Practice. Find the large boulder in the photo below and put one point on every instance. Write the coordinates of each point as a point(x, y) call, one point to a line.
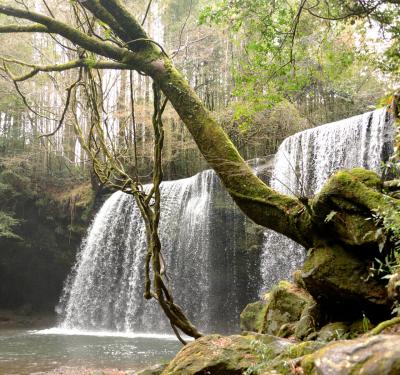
point(285, 308)
point(252, 317)
point(340, 279)
point(368, 356)
point(224, 355)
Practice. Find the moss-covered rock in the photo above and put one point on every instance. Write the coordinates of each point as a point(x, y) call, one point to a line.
point(289, 359)
point(345, 202)
point(309, 321)
point(368, 356)
point(298, 279)
point(255, 353)
point(225, 355)
point(252, 317)
point(334, 331)
point(286, 305)
point(339, 279)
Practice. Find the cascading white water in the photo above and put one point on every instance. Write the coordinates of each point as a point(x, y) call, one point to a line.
point(304, 162)
point(210, 248)
point(210, 276)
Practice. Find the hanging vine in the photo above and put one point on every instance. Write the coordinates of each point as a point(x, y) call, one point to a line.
point(110, 162)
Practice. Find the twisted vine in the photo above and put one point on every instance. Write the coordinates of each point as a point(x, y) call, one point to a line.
point(109, 166)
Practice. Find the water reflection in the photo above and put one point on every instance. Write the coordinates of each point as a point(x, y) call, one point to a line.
point(25, 352)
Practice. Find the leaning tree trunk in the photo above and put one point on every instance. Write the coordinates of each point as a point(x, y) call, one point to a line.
point(303, 221)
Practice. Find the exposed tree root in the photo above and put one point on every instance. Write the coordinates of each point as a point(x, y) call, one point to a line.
point(383, 325)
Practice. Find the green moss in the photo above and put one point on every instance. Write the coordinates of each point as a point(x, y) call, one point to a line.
point(334, 331)
point(286, 305)
point(7, 225)
point(354, 196)
point(283, 363)
point(367, 177)
point(252, 317)
point(340, 278)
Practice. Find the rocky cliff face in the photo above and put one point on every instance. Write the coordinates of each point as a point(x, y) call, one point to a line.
point(49, 225)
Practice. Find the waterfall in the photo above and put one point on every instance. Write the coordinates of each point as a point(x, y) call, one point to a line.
point(205, 241)
point(211, 250)
point(304, 162)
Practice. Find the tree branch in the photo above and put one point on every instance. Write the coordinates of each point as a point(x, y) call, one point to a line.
point(24, 29)
point(89, 43)
point(265, 206)
point(85, 62)
point(66, 106)
point(147, 12)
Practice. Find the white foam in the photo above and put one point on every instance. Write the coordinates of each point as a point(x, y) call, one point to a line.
point(78, 332)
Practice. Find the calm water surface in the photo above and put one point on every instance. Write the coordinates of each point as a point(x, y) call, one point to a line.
point(25, 352)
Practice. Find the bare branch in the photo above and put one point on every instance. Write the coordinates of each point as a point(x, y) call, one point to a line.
point(86, 62)
point(24, 29)
point(77, 37)
point(183, 28)
point(24, 99)
point(66, 107)
point(147, 12)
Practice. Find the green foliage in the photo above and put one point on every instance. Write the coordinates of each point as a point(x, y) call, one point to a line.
point(284, 54)
point(388, 222)
point(366, 324)
point(15, 180)
point(258, 130)
point(264, 353)
point(41, 225)
point(7, 225)
point(330, 216)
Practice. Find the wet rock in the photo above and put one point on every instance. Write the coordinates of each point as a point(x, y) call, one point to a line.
point(225, 355)
point(333, 331)
point(286, 305)
point(339, 279)
point(252, 317)
point(368, 356)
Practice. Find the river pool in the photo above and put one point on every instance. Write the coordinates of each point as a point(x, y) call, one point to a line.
point(28, 351)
